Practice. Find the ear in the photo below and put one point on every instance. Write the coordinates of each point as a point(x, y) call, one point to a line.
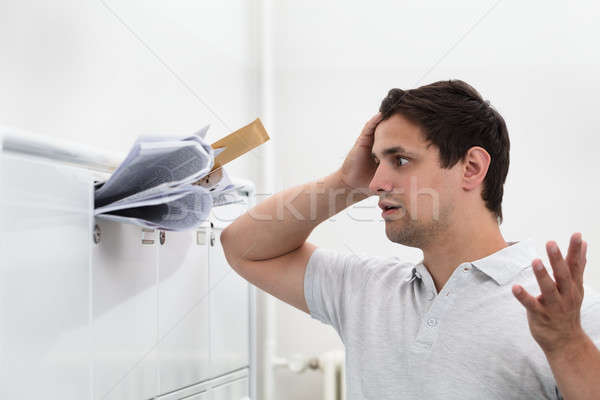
point(475, 166)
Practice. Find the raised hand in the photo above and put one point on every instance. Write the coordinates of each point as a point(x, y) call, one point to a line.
point(554, 315)
point(358, 168)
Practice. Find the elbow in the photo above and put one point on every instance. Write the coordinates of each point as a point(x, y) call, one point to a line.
point(224, 235)
point(225, 240)
point(227, 246)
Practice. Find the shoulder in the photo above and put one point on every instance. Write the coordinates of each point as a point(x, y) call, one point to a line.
point(354, 264)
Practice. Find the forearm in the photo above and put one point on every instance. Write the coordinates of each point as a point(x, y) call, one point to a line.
point(576, 369)
point(283, 222)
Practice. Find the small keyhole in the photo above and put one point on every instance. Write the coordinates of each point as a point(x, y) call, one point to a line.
point(97, 234)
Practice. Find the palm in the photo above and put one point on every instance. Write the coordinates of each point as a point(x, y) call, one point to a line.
point(554, 315)
point(358, 168)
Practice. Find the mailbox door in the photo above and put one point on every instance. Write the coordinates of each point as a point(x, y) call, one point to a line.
point(183, 315)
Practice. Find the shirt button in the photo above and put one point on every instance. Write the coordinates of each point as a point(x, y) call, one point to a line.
point(432, 322)
point(466, 269)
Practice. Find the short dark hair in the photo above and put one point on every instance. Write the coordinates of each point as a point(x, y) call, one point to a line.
point(454, 117)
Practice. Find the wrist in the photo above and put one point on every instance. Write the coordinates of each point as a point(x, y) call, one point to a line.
point(335, 194)
point(353, 195)
point(339, 184)
point(571, 349)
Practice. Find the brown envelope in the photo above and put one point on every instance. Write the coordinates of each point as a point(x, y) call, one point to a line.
point(240, 142)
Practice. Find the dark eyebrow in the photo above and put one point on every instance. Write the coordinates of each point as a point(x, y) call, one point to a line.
point(395, 150)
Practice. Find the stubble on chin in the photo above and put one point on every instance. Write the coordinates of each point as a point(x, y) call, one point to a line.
point(414, 233)
point(405, 232)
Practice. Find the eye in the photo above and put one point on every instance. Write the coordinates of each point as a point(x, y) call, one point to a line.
point(400, 161)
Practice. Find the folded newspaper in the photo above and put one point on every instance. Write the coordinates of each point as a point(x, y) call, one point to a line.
point(168, 183)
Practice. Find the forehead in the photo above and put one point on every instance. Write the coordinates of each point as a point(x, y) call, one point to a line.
point(397, 131)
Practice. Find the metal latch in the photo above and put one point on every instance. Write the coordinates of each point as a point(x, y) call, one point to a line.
point(201, 237)
point(97, 235)
point(147, 236)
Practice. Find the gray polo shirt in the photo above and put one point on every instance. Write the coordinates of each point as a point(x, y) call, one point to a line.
point(403, 340)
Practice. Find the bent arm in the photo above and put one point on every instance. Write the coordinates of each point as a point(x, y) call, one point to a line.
point(267, 245)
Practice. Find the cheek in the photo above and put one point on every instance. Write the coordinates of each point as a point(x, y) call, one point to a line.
point(404, 183)
point(424, 187)
point(430, 192)
point(451, 179)
point(426, 184)
point(401, 182)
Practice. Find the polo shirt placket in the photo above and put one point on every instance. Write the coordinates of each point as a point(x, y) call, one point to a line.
point(431, 321)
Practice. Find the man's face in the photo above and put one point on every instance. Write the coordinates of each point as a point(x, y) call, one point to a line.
point(409, 175)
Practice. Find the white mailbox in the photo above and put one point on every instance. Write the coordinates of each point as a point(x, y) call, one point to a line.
point(95, 309)
point(183, 309)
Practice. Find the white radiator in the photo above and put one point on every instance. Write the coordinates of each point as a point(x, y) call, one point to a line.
point(330, 363)
point(334, 375)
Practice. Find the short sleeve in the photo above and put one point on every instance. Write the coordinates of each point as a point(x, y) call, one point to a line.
point(331, 280)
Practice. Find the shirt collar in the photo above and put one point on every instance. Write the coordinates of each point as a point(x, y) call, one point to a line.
point(418, 271)
point(505, 264)
point(502, 266)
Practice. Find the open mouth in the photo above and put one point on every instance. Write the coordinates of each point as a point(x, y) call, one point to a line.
point(387, 210)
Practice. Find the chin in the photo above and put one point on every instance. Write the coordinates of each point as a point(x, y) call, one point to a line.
point(404, 234)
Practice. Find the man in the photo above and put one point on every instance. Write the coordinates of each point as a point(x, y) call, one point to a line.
point(449, 327)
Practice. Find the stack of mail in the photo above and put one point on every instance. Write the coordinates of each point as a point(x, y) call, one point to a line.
point(164, 183)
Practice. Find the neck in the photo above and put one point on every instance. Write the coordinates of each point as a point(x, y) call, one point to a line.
point(461, 243)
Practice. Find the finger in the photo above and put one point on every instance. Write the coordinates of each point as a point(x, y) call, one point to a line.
point(371, 124)
point(527, 300)
point(547, 285)
point(367, 137)
point(560, 269)
point(575, 257)
point(583, 256)
point(583, 263)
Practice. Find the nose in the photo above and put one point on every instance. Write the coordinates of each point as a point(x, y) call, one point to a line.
point(381, 181)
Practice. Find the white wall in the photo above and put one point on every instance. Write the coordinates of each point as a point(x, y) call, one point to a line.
point(537, 62)
point(103, 72)
point(100, 73)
